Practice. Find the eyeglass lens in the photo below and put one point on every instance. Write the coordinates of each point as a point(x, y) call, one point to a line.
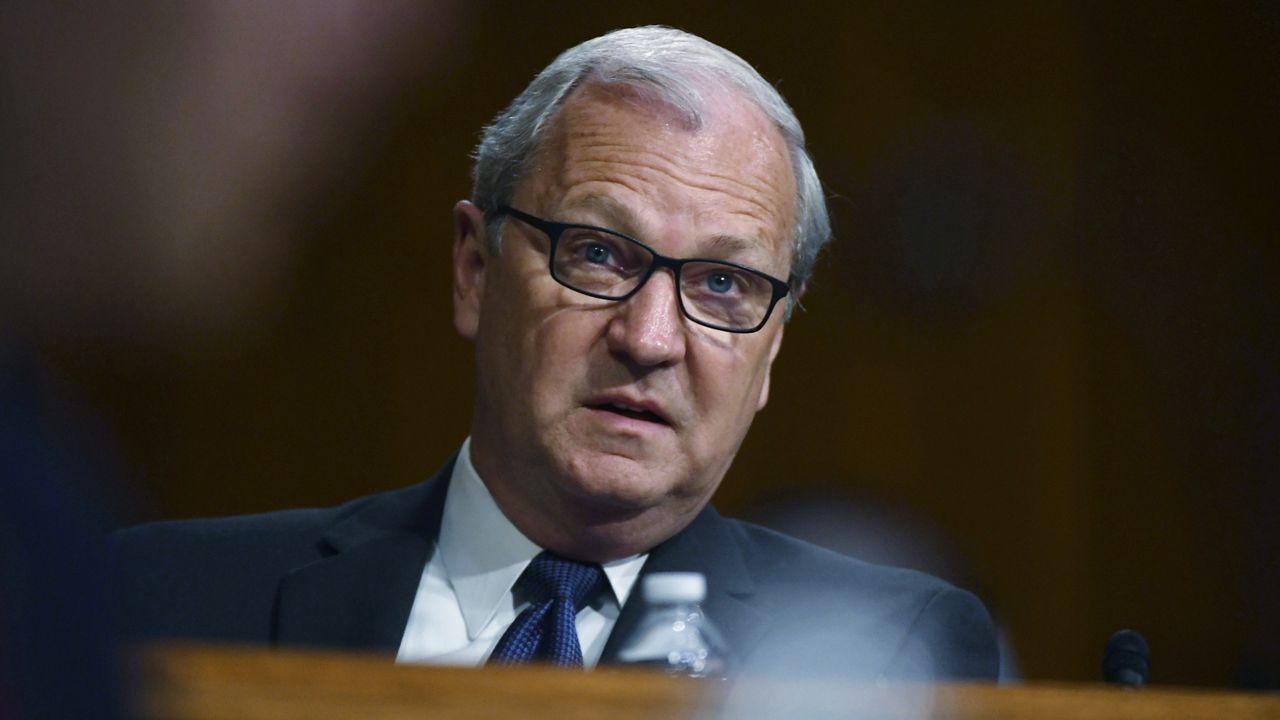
point(612, 266)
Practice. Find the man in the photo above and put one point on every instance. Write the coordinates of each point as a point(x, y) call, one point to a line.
point(644, 217)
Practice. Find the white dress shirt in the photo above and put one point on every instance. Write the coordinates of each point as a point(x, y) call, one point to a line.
point(465, 602)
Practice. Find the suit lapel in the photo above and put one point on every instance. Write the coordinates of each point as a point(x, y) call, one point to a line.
point(706, 546)
point(360, 595)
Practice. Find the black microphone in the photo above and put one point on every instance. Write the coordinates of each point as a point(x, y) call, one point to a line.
point(1127, 660)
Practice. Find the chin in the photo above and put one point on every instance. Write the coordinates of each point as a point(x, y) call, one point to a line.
point(620, 483)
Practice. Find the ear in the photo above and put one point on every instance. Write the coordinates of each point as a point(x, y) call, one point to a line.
point(768, 368)
point(470, 260)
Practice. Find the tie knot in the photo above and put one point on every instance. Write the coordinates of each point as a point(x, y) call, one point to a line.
point(552, 576)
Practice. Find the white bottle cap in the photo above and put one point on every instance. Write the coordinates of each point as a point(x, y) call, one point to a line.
point(675, 587)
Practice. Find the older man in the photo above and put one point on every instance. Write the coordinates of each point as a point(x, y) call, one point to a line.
point(644, 216)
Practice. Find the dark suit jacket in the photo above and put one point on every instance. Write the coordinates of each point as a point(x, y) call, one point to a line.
point(346, 577)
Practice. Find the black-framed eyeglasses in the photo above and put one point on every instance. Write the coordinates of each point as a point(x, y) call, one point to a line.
point(606, 264)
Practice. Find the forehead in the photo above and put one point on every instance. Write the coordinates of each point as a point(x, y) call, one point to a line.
point(620, 156)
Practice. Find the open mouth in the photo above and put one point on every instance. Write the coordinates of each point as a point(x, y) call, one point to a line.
point(631, 412)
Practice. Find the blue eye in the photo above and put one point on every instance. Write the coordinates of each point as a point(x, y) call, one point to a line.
point(598, 254)
point(720, 282)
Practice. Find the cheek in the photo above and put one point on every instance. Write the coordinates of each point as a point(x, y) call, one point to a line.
point(726, 386)
point(566, 325)
point(505, 349)
point(555, 354)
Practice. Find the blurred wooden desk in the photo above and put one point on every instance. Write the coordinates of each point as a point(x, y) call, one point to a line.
point(213, 683)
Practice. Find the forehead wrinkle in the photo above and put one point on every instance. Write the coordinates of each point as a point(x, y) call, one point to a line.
point(760, 185)
point(757, 196)
point(617, 215)
point(669, 161)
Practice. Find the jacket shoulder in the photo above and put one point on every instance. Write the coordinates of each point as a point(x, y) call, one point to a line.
point(775, 558)
point(890, 621)
point(213, 578)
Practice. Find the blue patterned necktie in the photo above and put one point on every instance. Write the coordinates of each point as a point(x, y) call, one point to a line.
point(546, 630)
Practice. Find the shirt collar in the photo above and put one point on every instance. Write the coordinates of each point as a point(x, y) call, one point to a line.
point(484, 554)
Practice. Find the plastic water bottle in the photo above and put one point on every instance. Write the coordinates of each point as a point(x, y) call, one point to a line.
point(674, 635)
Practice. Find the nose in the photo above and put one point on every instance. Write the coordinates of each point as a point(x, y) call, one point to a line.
point(649, 327)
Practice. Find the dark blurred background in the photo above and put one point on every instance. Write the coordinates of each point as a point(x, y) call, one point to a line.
point(1039, 358)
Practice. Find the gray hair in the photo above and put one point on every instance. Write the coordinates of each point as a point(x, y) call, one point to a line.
point(670, 63)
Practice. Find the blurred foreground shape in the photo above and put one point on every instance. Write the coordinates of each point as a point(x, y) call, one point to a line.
point(209, 683)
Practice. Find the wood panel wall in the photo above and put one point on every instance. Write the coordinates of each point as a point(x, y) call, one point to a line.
point(1039, 341)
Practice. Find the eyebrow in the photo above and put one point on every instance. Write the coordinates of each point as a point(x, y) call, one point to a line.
point(733, 243)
